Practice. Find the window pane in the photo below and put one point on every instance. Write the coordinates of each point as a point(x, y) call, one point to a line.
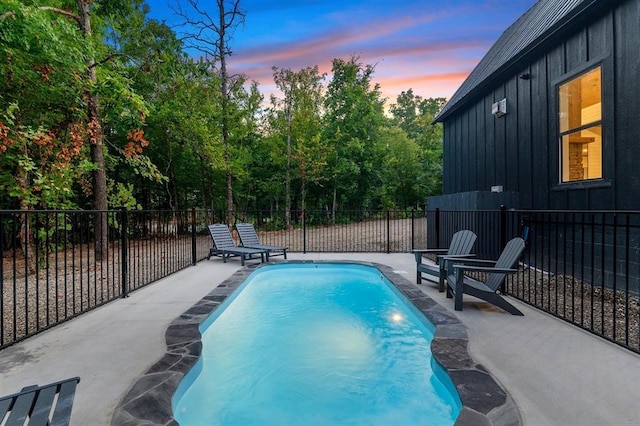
point(582, 154)
point(581, 101)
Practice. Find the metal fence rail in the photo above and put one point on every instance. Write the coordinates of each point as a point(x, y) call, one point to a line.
point(583, 267)
point(580, 266)
point(321, 231)
point(51, 271)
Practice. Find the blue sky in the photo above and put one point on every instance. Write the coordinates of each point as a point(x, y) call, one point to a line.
point(429, 46)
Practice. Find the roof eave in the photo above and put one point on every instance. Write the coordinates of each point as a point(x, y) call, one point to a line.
point(529, 51)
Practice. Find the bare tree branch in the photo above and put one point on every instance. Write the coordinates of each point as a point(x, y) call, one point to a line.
point(211, 34)
point(107, 59)
point(49, 8)
point(62, 12)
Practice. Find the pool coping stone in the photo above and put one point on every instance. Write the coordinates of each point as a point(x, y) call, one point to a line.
point(484, 401)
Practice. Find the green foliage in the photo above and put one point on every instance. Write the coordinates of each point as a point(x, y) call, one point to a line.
point(35, 169)
point(402, 172)
point(297, 119)
point(121, 195)
point(415, 115)
point(354, 111)
point(44, 59)
point(49, 236)
point(318, 146)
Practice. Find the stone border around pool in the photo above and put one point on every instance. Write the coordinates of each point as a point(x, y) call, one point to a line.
point(484, 400)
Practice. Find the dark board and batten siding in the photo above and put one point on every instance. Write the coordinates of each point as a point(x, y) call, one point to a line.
point(520, 150)
point(626, 30)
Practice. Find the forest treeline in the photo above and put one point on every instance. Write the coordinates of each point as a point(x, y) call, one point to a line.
point(102, 107)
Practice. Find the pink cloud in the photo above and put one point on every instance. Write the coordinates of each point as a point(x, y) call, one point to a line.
point(425, 85)
point(431, 66)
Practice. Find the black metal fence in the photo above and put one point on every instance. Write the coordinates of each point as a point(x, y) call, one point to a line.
point(583, 267)
point(580, 266)
point(321, 231)
point(56, 265)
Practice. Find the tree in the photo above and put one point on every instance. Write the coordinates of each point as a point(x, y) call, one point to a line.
point(354, 112)
point(301, 111)
point(187, 145)
point(415, 115)
point(42, 127)
point(405, 113)
point(182, 100)
point(401, 169)
point(74, 70)
point(244, 111)
point(211, 36)
point(430, 141)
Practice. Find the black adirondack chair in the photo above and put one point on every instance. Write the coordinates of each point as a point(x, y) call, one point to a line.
point(224, 246)
point(40, 405)
point(460, 246)
point(249, 238)
point(497, 271)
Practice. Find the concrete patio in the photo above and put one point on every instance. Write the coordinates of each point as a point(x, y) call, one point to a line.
point(556, 373)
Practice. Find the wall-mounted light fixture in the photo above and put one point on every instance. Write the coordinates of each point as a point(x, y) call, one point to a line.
point(499, 108)
point(525, 76)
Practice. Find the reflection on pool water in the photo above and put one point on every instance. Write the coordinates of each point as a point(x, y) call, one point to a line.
point(316, 344)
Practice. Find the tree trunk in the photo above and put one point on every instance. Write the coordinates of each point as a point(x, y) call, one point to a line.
point(224, 91)
point(24, 234)
point(333, 208)
point(97, 144)
point(287, 185)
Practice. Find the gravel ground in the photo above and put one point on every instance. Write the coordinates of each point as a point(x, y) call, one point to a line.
point(71, 282)
point(613, 315)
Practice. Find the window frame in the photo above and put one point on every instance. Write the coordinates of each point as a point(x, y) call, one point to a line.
point(606, 123)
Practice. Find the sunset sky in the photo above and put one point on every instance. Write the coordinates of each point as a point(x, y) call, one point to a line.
point(429, 46)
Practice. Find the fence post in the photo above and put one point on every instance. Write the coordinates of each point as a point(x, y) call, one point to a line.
point(193, 236)
point(503, 227)
point(503, 239)
point(124, 265)
point(413, 221)
point(304, 231)
point(437, 227)
point(388, 231)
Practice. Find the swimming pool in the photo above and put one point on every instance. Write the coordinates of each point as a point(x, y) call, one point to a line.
point(149, 399)
point(317, 344)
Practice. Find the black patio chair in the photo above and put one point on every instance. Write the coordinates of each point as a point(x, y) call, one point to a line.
point(496, 273)
point(40, 405)
point(460, 246)
point(223, 245)
point(249, 238)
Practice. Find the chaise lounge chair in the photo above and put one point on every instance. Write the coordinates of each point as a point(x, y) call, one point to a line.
point(458, 283)
point(41, 405)
point(461, 244)
point(249, 238)
point(223, 245)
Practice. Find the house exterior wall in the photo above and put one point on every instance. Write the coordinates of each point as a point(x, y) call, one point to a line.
point(520, 150)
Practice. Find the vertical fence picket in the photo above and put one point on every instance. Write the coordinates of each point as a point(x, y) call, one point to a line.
point(124, 265)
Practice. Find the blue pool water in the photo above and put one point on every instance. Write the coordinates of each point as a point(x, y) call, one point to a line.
point(316, 344)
